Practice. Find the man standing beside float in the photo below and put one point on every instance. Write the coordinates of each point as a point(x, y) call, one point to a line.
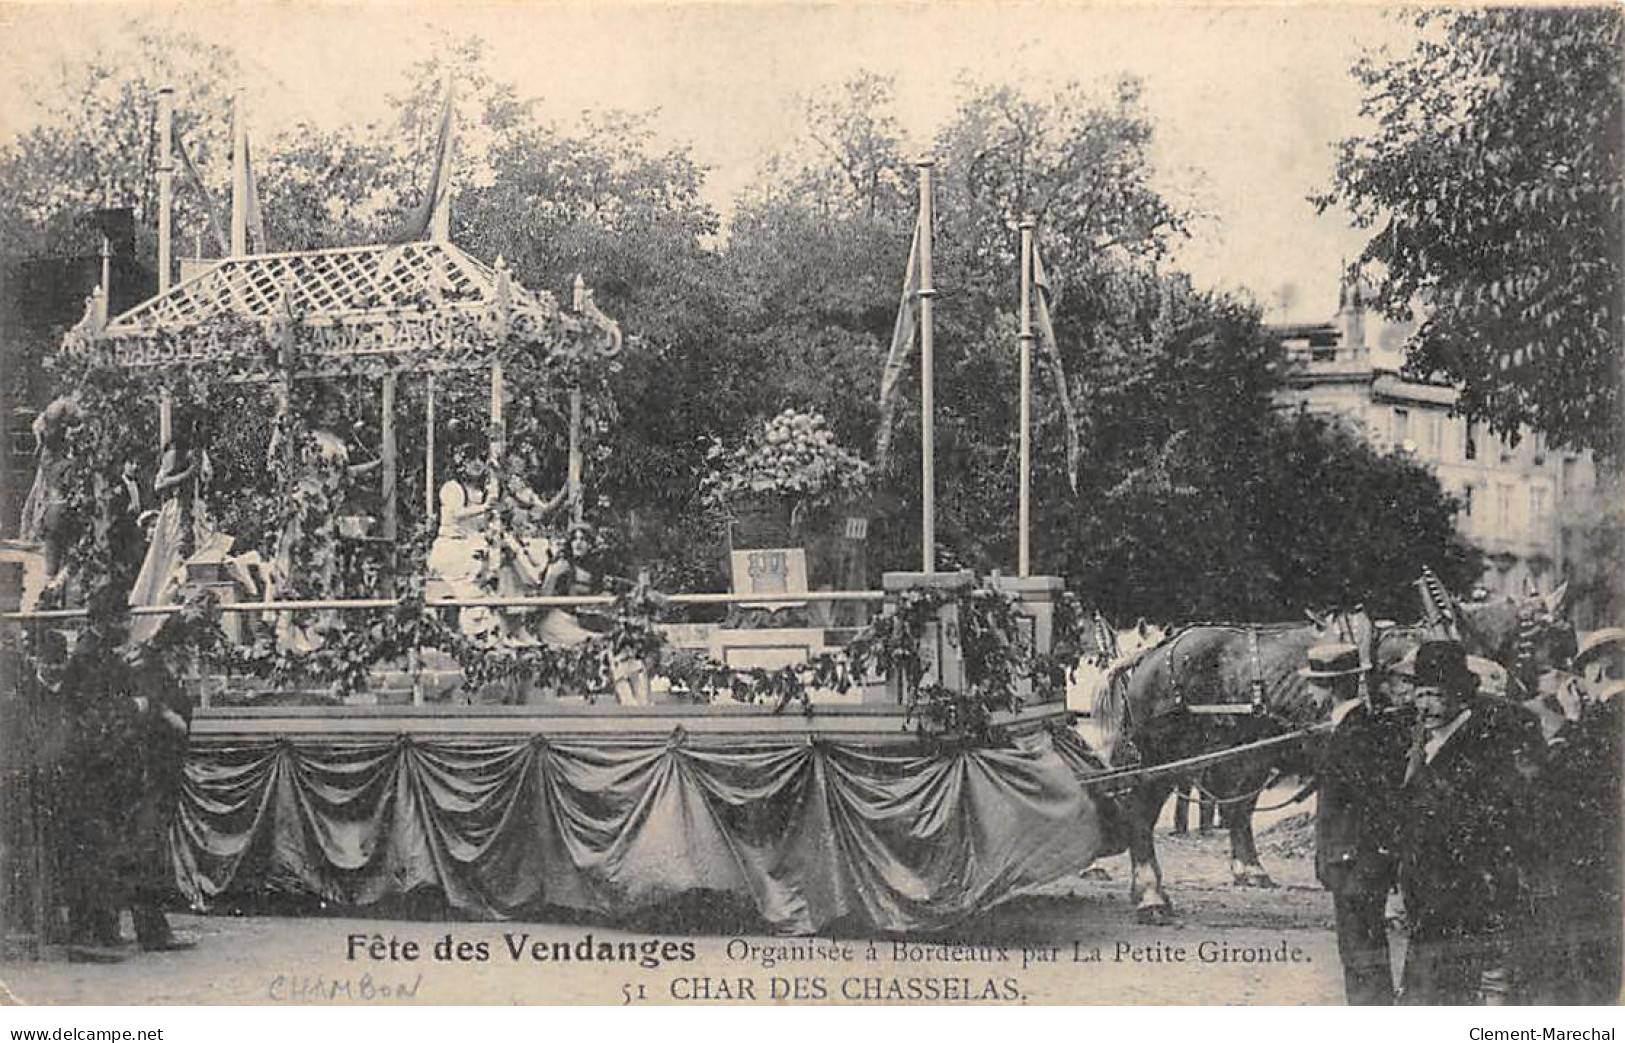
point(1461, 857)
point(1360, 772)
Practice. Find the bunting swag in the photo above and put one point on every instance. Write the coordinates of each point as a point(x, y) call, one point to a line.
point(1046, 331)
point(902, 342)
point(810, 832)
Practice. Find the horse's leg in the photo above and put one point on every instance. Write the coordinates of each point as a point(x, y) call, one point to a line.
point(1245, 869)
point(1151, 904)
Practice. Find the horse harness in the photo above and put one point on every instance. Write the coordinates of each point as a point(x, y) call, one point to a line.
point(1256, 707)
point(1255, 685)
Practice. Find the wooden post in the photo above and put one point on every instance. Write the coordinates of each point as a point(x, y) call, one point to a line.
point(166, 184)
point(497, 429)
point(578, 302)
point(103, 301)
point(239, 178)
point(284, 386)
point(388, 467)
point(928, 447)
point(574, 477)
point(504, 308)
point(431, 504)
point(1024, 526)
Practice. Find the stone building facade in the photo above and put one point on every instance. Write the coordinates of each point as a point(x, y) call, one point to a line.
point(1525, 505)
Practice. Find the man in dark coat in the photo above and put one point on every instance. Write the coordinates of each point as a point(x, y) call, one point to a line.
point(1356, 829)
point(1459, 848)
point(164, 713)
point(1570, 951)
point(128, 749)
point(1595, 886)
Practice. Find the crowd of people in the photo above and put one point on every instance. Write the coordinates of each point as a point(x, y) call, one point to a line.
point(1501, 837)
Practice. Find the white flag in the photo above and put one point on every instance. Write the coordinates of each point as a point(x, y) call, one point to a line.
point(1046, 332)
point(902, 342)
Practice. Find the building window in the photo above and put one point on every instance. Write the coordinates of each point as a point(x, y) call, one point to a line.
point(1503, 507)
point(21, 433)
point(1435, 427)
point(1540, 448)
point(1537, 503)
point(1467, 500)
point(1567, 478)
point(1469, 445)
point(1402, 427)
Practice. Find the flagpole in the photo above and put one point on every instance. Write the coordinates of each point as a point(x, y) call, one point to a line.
point(166, 184)
point(1023, 544)
point(928, 507)
point(578, 303)
point(166, 246)
point(239, 178)
point(105, 295)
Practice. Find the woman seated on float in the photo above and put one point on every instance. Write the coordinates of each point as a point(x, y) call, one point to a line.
point(570, 576)
point(323, 457)
point(460, 551)
point(527, 550)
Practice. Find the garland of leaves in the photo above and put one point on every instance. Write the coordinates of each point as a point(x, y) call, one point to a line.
point(995, 659)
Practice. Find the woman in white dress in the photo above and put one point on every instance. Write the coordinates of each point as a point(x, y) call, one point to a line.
point(44, 516)
point(159, 579)
point(460, 551)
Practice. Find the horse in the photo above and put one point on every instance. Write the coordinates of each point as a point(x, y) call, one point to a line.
point(1527, 636)
point(1143, 712)
point(1204, 689)
point(1103, 647)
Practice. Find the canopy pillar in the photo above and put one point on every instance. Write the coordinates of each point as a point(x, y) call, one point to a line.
point(388, 468)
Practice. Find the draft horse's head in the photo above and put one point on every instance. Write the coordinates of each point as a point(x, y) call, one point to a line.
point(1529, 636)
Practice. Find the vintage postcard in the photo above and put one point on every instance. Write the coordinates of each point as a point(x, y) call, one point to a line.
point(737, 504)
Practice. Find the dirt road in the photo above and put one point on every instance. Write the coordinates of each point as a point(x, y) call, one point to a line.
point(1076, 941)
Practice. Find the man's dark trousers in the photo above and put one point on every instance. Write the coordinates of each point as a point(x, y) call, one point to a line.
point(1362, 943)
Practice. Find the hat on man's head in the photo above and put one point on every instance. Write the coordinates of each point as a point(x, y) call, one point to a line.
point(1333, 659)
point(1438, 663)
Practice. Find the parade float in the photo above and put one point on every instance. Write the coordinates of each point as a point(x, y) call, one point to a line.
point(366, 732)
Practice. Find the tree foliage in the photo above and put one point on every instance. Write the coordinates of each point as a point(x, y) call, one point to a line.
point(1197, 498)
point(1493, 184)
point(94, 141)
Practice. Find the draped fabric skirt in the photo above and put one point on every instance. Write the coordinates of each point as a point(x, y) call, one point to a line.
point(455, 563)
point(158, 582)
point(808, 830)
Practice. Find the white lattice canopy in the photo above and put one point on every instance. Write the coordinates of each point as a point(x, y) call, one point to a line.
point(363, 300)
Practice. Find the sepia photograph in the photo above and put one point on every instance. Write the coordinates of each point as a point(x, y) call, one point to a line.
point(704, 504)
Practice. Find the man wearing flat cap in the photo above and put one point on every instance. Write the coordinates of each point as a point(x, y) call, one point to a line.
point(1356, 829)
point(1459, 857)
